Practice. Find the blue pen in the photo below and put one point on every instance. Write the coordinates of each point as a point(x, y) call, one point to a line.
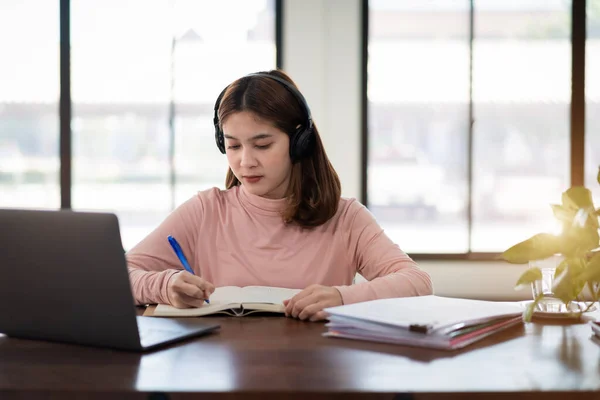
point(177, 249)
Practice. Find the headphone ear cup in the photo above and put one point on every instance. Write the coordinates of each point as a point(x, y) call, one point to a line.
point(301, 144)
point(219, 139)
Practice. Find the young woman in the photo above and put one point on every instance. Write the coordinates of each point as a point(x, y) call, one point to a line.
point(281, 221)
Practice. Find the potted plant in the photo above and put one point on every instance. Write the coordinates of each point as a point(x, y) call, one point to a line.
point(577, 247)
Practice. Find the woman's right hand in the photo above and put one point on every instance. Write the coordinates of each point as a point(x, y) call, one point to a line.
point(186, 290)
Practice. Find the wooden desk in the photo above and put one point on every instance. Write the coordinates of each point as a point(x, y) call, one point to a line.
point(276, 357)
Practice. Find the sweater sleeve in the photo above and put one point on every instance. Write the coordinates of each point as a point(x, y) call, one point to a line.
point(389, 271)
point(152, 262)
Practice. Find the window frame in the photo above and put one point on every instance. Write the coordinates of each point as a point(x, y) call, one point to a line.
point(65, 101)
point(577, 114)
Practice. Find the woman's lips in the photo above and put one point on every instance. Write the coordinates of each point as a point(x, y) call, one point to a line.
point(252, 179)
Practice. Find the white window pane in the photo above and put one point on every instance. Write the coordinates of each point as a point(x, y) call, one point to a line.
point(418, 92)
point(132, 60)
point(206, 59)
point(29, 92)
point(521, 97)
point(120, 89)
point(592, 99)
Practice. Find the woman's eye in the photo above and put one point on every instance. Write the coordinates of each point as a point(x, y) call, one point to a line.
point(264, 146)
point(233, 147)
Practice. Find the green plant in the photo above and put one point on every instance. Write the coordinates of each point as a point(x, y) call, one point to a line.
point(578, 244)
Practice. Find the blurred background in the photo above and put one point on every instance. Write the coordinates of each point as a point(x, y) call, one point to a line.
point(144, 76)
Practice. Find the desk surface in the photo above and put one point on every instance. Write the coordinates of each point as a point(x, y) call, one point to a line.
point(277, 355)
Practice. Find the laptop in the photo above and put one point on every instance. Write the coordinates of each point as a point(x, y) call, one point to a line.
point(64, 278)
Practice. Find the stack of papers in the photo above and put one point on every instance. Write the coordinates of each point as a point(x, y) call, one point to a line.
point(425, 321)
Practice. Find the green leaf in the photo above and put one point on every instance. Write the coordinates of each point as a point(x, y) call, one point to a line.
point(562, 213)
point(578, 241)
point(528, 313)
point(576, 266)
point(560, 269)
point(594, 219)
point(577, 197)
point(592, 269)
point(537, 247)
point(566, 290)
point(585, 217)
point(569, 284)
point(528, 277)
point(598, 177)
point(594, 261)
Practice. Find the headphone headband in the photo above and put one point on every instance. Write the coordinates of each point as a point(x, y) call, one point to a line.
point(300, 141)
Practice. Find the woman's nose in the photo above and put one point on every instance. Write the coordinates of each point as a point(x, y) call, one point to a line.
point(248, 158)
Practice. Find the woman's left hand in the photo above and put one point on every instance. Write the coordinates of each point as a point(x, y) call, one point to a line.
point(309, 303)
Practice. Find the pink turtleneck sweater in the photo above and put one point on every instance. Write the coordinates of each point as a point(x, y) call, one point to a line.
point(234, 238)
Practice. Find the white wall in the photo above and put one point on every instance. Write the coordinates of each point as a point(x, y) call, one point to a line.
point(322, 51)
point(476, 280)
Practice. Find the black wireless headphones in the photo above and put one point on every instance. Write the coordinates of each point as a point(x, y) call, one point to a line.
point(301, 140)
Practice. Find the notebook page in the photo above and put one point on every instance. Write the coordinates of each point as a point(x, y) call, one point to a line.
point(432, 311)
point(226, 294)
point(230, 296)
point(222, 298)
point(266, 294)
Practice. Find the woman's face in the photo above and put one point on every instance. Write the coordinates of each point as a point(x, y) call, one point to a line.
point(258, 154)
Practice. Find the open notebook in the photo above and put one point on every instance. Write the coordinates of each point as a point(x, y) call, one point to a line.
point(235, 301)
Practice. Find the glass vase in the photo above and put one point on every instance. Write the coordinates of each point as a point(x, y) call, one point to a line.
point(544, 287)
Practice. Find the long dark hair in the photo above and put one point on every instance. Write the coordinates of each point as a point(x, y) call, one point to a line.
point(314, 190)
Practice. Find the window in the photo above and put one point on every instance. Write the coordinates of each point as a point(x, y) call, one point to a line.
point(592, 100)
point(521, 103)
point(418, 115)
point(29, 124)
point(425, 81)
point(145, 76)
